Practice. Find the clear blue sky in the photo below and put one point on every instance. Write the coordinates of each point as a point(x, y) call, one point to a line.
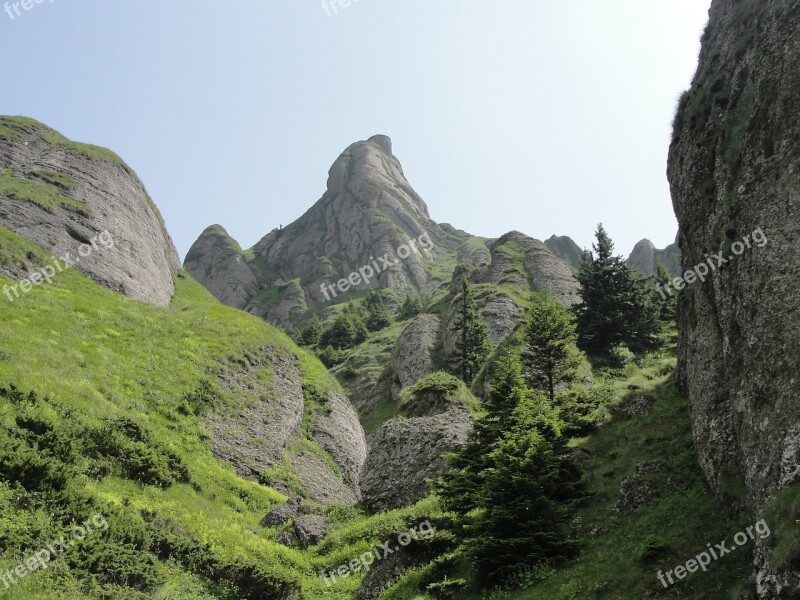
point(541, 116)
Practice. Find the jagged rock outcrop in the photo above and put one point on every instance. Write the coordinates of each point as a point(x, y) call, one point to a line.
point(413, 355)
point(258, 432)
point(516, 261)
point(217, 262)
point(405, 452)
point(566, 249)
point(369, 218)
point(644, 258)
point(734, 169)
point(63, 195)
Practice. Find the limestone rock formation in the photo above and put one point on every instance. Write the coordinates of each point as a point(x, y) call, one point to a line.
point(644, 258)
point(566, 249)
point(734, 169)
point(217, 262)
point(63, 195)
point(257, 434)
point(369, 212)
point(413, 355)
point(405, 452)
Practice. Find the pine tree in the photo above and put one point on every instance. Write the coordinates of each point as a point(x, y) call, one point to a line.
point(616, 307)
point(458, 489)
point(550, 355)
point(377, 316)
point(473, 344)
point(529, 498)
point(347, 330)
point(412, 306)
point(312, 332)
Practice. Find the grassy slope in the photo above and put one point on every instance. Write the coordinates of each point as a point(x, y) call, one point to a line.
point(96, 355)
point(678, 524)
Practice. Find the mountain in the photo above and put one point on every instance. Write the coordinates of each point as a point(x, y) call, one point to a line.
point(370, 222)
point(566, 249)
point(733, 169)
point(644, 258)
point(64, 195)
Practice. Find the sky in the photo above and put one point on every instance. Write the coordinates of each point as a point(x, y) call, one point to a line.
point(531, 115)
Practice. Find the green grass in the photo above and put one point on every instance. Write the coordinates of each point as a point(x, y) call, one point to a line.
point(44, 195)
point(13, 127)
point(93, 357)
point(84, 150)
point(621, 560)
point(55, 179)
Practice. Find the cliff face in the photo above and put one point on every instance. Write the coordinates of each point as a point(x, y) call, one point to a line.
point(369, 218)
point(733, 169)
point(217, 262)
point(63, 195)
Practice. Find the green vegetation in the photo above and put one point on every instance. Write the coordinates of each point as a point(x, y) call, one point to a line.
point(436, 393)
point(550, 354)
point(620, 552)
point(516, 472)
point(616, 306)
point(412, 306)
point(782, 516)
point(84, 150)
point(56, 179)
point(473, 344)
point(44, 195)
point(100, 412)
point(377, 316)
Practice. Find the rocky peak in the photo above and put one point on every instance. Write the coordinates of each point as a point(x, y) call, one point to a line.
point(64, 195)
point(217, 262)
point(369, 218)
point(566, 249)
point(644, 258)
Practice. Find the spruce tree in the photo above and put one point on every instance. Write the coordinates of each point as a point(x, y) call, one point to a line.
point(458, 489)
point(312, 332)
point(377, 316)
point(529, 498)
point(412, 306)
point(616, 307)
point(473, 344)
point(550, 355)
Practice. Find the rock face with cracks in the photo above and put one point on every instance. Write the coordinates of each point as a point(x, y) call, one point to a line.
point(734, 169)
point(63, 196)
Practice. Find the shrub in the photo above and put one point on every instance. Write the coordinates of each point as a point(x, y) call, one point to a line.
point(620, 355)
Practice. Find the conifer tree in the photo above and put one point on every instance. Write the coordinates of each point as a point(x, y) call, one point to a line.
point(473, 344)
point(550, 355)
point(312, 332)
point(616, 307)
point(412, 306)
point(458, 489)
point(377, 316)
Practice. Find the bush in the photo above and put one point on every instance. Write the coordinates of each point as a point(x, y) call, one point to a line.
point(620, 355)
point(449, 589)
point(651, 548)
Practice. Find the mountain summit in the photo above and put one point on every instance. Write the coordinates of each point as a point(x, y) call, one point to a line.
point(370, 221)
